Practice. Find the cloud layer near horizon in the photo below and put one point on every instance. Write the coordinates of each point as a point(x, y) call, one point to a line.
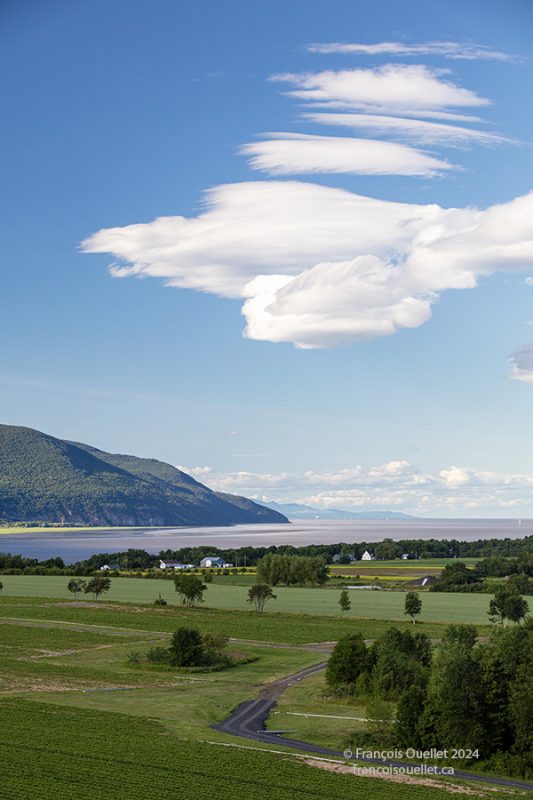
point(321, 267)
point(396, 485)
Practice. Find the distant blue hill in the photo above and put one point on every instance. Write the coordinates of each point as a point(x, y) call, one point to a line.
point(299, 511)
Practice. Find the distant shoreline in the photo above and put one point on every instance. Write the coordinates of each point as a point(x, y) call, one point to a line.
point(415, 521)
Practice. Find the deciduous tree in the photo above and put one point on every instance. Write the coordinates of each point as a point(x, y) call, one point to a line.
point(97, 586)
point(75, 585)
point(190, 589)
point(413, 605)
point(259, 594)
point(344, 600)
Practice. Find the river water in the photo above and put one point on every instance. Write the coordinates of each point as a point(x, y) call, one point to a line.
point(83, 543)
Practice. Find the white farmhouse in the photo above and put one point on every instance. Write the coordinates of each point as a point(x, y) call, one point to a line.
point(367, 556)
point(169, 564)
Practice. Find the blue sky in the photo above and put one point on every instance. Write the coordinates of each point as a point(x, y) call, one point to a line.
point(118, 113)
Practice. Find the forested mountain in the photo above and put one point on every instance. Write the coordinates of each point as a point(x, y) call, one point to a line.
point(51, 480)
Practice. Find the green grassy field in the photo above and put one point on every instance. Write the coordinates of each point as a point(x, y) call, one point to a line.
point(331, 720)
point(91, 670)
point(267, 627)
point(436, 607)
point(79, 720)
point(90, 755)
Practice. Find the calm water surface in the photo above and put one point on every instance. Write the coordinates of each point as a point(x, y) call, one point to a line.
point(81, 544)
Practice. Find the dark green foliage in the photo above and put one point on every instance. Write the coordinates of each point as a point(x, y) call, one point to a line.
point(97, 586)
point(408, 728)
point(413, 605)
point(214, 644)
point(400, 660)
point(380, 721)
point(520, 584)
point(496, 567)
point(347, 662)
point(190, 589)
point(344, 600)
point(479, 696)
point(47, 479)
point(160, 601)
point(259, 594)
point(187, 648)
point(291, 570)
point(507, 604)
point(457, 577)
point(455, 692)
point(516, 607)
point(76, 586)
point(158, 655)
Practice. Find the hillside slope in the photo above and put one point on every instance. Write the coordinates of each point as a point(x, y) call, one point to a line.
point(47, 479)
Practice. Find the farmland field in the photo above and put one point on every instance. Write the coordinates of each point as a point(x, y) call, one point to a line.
point(79, 719)
point(268, 627)
point(63, 753)
point(437, 607)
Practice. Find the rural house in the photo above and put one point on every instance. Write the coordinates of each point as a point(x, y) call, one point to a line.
point(214, 561)
point(169, 564)
point(367, 556)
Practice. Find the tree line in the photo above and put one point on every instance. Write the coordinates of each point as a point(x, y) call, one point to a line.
point(137, 559)
point(465, 694)
point(458, 577)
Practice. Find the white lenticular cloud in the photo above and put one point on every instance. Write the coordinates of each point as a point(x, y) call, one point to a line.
point(468, 51)
point(393, 86)
point(522, 364)
point(334, 304)
point(416, 130)
point(321, 267)
point(290, 154)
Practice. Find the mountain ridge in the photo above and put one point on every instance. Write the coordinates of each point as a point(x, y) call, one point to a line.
point(44, 478)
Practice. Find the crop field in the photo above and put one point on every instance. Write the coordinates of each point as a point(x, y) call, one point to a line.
point(79, 719)
point(415, 568)
point(50, 751)
point(267, 627)
point(436, 607)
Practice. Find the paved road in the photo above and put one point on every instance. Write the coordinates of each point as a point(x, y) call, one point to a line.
point(248, 721)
